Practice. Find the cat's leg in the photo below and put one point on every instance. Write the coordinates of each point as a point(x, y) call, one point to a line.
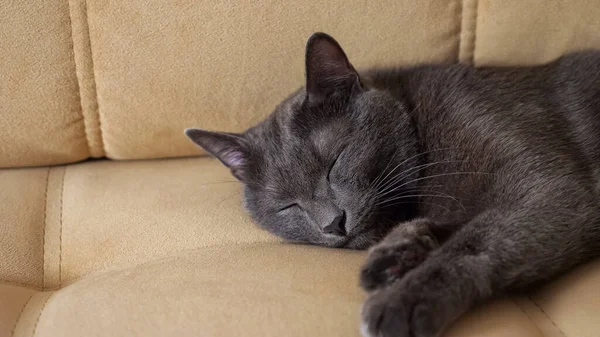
point(497, 251)
point(404, 248)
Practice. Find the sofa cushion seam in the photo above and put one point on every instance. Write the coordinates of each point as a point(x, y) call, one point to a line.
point(20, 285)
point(93, 69)
point(460, 12)
point(528, 316)
point(12, 331)
point(44, 229)
point(60, 238)
point(474, 38)
point(95, 110)
point(37, 321)
point(176, 254)
point(85, 129)
point(547, 316)
point(469, 14)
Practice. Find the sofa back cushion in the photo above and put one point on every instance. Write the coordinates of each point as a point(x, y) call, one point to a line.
point(122, 79)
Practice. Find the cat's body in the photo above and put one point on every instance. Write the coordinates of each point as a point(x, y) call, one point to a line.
point(511, 130)
point(488, 177)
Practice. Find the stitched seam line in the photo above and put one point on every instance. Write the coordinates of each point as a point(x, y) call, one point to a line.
point(85, 129)
point(547, 316)
point(468, 31)
point(37, 321)
point(12, 331)
point(460, 14)
point(179, 254)
point(93, 69)
point(62, 191)
point(528, 316)
point(20, 285)
point(474, 38)
point(44, 230)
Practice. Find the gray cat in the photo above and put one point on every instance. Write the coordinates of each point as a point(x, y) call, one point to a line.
point(469, 182)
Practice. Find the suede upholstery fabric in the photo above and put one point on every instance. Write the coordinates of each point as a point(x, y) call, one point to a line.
point(121, 79)
point(163, 247)
point(40, 113)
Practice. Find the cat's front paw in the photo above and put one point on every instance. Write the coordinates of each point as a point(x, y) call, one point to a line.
point(395, 312)
point(388, 263)
point(404, 249)
point(382, 318)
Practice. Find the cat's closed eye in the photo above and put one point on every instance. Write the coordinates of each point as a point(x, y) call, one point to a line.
point(288, 207)
point(333, 165)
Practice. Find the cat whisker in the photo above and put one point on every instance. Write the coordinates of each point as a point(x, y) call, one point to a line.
point(415, 109)
point(445, 195)
point(417, 202)
point(409, 158)
point(406, 160)
point(218, 182)
point(412, 170)
point(404, 196)
point(408, 190)
point(375, 182)
point(412, 196)
point(443, 175)
point(405, 173)
point(230, 182)
point(227, 198)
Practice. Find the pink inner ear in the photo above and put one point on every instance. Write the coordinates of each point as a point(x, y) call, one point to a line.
point(233, 159)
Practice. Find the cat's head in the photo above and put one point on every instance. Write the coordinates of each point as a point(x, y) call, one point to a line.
point(321, 168)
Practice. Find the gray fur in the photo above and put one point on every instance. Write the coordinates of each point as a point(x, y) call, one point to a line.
point(489, 177)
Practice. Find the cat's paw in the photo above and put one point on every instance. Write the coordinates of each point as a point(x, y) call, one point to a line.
point(404, 249)
point(396, 312)
point(387, 263)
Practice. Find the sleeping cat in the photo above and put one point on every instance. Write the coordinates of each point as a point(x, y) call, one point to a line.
point(467, 182)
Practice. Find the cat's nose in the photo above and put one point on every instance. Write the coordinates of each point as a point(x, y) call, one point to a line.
point(337, 225)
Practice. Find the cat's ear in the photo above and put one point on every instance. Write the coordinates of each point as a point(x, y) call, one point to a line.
point(229, 148)
point(328, 70)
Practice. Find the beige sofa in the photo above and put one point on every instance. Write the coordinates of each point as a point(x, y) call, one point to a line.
point(135, 245)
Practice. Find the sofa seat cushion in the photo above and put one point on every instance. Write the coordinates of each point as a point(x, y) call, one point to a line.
point(163, 247)
point(264, 289)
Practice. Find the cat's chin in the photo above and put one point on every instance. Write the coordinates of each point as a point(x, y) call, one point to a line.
point(359, 242)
